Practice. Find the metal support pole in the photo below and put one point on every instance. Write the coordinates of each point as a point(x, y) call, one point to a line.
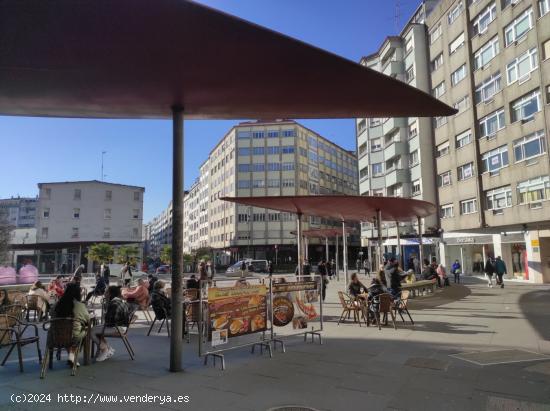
point(337, 264)
point(345, 251)
point(379, 229)
point(306, 248)
point(299, 240)
point(420, 253)
point(326, 248)
point(177, 240)
point(398, 256)
point(462, 257)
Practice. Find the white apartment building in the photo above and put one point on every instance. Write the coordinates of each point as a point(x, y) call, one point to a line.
point(20, 212)
point(71, 216)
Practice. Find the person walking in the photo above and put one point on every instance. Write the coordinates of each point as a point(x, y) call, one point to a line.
point(358, 266)
point(105, 272)
point(270, 269)
point(416, 265)
point(366, 266)
point(442, 274)
point(322, 269)
point(456, 269)
point(306, 270)
point(126, 273)
point(500, 270)
point(203, 274)
point(489, 271)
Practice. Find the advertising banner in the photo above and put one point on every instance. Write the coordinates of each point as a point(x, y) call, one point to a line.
point(294, 302)
point(236, 311)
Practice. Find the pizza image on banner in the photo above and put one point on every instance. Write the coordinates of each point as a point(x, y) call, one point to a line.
point(237, 310)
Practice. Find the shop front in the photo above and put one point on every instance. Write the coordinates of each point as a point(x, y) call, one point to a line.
point(470, 251)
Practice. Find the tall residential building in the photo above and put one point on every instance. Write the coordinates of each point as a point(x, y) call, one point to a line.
point(268, 158)
point(19, 212)
point(160, 232)
point(71, 216)
point(490, 60)
point(395, 155)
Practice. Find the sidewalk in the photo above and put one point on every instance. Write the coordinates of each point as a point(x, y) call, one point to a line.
point(355, 368)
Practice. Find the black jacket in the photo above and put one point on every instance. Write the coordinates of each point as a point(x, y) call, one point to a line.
point(489, 267)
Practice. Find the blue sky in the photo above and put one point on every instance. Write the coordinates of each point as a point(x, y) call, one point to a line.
point(139, 151)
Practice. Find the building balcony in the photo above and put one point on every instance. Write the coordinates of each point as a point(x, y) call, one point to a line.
point(393, 68)
point(396, 176)
point(395, 148)
point(393, 123)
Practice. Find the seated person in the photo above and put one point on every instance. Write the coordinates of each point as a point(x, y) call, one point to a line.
point(374, 291)
point(43, 297)
point(159, 301)
point(69, 306)
point(356, 287)
point(99, 288)
point(138, 295)
point(192, 282)
point(396, 277)
point(116, 315)
point(411, 278)
point(57, 286)
point(152, 281)
point(428, 273)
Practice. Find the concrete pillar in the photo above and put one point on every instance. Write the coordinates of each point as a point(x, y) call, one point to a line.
point(534, 257)
point(299, 241)
point(345, 251)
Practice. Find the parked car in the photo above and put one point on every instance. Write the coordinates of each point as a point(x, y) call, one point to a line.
point(163, 269)
point(252, 266)
point(116, 269)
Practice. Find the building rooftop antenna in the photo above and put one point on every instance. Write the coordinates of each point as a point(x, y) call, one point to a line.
point(397, 16)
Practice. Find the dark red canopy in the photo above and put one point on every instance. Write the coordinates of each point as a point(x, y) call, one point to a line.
point(324, 232)
point(137, 58)
point(347, 208)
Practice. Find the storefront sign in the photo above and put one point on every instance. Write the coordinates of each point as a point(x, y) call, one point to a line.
point(535, 243)
point(465, 240)
point(236, 311)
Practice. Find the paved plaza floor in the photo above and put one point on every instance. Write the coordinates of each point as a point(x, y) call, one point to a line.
point(436, 365)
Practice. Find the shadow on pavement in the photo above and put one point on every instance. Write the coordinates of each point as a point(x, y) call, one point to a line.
point(535, 306)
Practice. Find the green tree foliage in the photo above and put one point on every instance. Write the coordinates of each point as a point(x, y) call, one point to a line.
point(101, 253)
point(127, 253)
point(166, 255)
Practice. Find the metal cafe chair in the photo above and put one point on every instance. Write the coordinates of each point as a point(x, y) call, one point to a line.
point(121, 332)
point(60, 336)
point(12, 335)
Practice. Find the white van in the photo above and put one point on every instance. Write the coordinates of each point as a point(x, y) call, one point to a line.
point(252, 267)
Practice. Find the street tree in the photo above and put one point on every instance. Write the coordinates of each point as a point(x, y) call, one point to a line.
point(127, 253)
point(166, 255)
point(101, 253)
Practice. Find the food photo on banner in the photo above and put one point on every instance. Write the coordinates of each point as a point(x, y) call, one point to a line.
point(294, 302)
point(236, 311)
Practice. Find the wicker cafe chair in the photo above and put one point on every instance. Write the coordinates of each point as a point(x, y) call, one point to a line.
point(384, 307)
point(13, 310)
point(12, 334)
point(118, 332)
point(399, 306)
point(349, 306)
point(32, 304)
point(60, 335)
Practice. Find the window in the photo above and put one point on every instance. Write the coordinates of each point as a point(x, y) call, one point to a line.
point(288, 166)
point(273, 183)
point(458, 74)
point(274, 166)
point(413, 130)
point(462, 104)
point(534, 190)
point(135, 233)
point(416, 189)
point(243, 184)
point(379, 192)
point(243, 168)
point(437, 62)
point(46, 213)
point(364, 173)
point(409, 74)
point(287, 149)
point(258, 151)
point(519, 27)
point(361, 126)
point(135, 213)
point(75, 232)
point(506, 3)
point(530, 146)
point(490, 124)
point(494, 160)
point(443, 149)
point(272, 133)
point(446, 211)
point(444, 179)
point(77, 194)
point(439, 90)
point(377, 169)
point(375, 122)
point(76, 213)
point(414, 158)
point(435, 33)
point(106, 232)
point(376, 144)
point(498, 198)
point(456, 44)
point(108, 195)
point(288, 182)
point(408, 46)
point(289, 133)
point(258, 217)
point(525, 107)
point(107, 214)
point(244, 151)
point(548, 94)
point(275, 150)
point(455, 12)
point(440, 121)
point(258, 134)
point(258, 183)
point(544, 7)
point(481, 22)
point(463, 138)
point(488, 88)
point(465, 171)
point(243, 218)
point(243, 134)
point(546, 50)
point(520, 68)
point(45, 232)
point(137, 196)
point(468, 206)
point(258, 167)
point(486, 53)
